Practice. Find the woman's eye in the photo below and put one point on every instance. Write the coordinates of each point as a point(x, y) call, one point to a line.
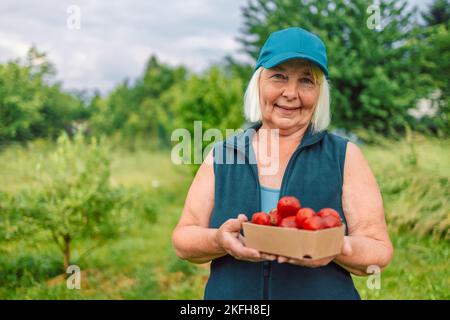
point(307, 80)
point(278, 76)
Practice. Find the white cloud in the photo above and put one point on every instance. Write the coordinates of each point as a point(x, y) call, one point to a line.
point(12, 45)
point(117, 37)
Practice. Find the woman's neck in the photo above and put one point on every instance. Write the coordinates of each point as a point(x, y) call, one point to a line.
point(292, 136)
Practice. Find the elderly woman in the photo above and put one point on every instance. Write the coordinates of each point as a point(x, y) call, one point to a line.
point(288, 96)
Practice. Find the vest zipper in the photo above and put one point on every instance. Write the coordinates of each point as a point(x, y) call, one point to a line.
point(287, 172)
point(266, 274)
point(266, 264)
point(254, 167)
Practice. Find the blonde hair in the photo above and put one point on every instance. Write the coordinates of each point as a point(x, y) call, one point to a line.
point(321, 116)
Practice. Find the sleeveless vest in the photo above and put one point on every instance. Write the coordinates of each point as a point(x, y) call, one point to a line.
point(314, 175)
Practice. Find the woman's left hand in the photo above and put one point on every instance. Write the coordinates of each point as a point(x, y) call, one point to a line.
point(346, 251)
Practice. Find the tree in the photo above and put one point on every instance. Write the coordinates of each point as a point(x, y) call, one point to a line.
point(374, 71)
point(30, 105)
point(212, 97)
point(20, 103)
point(134, 110)
point(437, 13)
point(435, 45)
point(76, 199)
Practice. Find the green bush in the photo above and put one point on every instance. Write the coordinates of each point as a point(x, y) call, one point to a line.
point(74, 199)
point(25, 269)
point(31, 107)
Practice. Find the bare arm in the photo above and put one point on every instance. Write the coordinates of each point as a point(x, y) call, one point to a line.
point(363, 208)
point(192, 238)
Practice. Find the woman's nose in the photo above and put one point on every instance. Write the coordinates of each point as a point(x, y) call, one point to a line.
point(291, 90)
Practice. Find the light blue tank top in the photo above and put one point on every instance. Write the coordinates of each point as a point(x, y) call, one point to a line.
point(269, 198)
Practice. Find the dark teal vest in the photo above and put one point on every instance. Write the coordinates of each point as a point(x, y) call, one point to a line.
point(314, 174)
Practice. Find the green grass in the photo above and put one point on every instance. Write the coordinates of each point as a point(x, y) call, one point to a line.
point(419, 270)
point(18, 165)
point(432, 154)
point(141, 263)
point(414, 177)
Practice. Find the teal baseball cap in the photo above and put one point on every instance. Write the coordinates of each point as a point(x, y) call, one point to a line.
point(293, 43)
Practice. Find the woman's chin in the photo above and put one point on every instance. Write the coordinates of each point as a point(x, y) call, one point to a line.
point(284, 123)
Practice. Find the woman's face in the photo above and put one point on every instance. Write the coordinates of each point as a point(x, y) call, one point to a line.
point(288, 95)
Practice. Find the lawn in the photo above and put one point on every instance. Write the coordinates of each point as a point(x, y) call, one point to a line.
point(141, 264)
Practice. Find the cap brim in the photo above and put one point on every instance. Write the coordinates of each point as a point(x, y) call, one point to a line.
point(282, 57)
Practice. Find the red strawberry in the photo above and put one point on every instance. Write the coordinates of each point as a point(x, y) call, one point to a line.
point(313, 223)
point(275, 217)
point(331, 221)
point(288, 206)
point(288, 222)
point(261, 218)
point(328, 211)
point(302, 215)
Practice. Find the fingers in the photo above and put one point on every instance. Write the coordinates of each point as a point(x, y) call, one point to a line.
point(263, 256)
point(232, 241)
point(235, 247)
point(305, 262)
point(314, 263)
point(243, 253)
point(270, 257)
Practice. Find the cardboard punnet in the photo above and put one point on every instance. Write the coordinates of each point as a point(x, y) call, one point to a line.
point(294, 243)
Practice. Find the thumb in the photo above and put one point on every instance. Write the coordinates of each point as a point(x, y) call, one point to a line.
point(242, 217)
point(234, 225)
point(347, 247)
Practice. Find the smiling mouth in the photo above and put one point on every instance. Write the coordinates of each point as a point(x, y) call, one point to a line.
point(286, 108)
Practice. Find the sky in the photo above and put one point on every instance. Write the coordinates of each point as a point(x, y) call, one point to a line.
point(116, 37)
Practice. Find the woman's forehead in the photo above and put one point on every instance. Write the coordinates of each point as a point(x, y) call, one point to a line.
point(293, 65)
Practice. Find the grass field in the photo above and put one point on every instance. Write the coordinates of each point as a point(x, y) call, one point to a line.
point(141, 264)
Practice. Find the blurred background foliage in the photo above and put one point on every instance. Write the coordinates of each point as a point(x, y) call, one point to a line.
point(378, 77)
point(86, 178)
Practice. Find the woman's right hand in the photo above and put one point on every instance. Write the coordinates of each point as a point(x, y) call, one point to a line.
point(230, 239)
